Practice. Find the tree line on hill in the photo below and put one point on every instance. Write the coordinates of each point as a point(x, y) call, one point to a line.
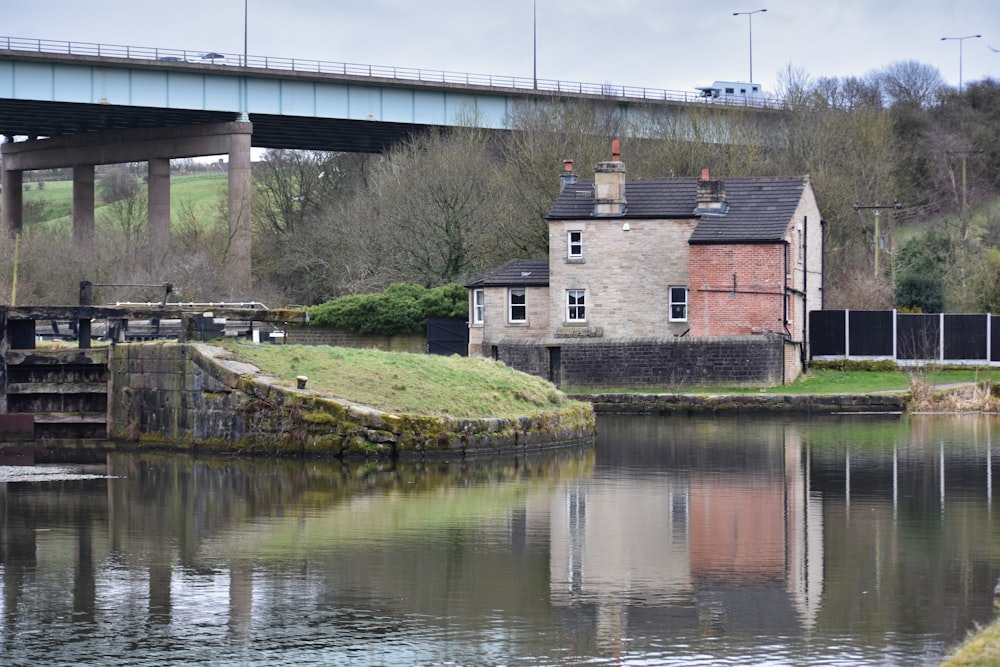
point(443, 206)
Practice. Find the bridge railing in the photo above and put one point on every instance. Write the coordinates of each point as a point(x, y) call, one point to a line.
point(181, 56)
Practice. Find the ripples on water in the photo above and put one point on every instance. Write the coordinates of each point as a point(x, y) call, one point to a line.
point(673, 542)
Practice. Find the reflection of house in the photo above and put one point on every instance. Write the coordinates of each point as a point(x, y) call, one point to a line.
point(650, 262)
point(681, 545)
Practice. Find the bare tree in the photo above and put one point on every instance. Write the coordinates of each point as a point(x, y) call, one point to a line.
point(909, 82)
point(542, 136)
point(118, 183)
point(290, 186)
point(434, 202)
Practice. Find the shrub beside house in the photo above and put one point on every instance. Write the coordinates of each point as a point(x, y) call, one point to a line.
point(660, 282)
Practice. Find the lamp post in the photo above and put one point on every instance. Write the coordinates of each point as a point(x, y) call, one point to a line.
point(878, 210)
point(960, 40)
point(749, 16)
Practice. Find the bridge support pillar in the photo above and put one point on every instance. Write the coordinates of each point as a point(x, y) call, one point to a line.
point(12, 202)
point(240, 190)
point(158, 194)
point(83, 204)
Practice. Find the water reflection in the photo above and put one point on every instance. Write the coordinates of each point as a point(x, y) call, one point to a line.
point(841, 540)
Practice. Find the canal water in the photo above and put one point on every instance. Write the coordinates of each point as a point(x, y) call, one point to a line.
point(853, 540)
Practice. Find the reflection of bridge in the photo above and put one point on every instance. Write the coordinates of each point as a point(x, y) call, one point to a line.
point(81, 105)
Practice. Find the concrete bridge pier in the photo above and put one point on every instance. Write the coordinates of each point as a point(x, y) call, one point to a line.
point(158, 199)
point(156, 146)
point(83, 204)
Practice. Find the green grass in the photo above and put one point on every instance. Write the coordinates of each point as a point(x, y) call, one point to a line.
point(408, 383)
point(198, 192)
point(825, 381)
point(980, 650)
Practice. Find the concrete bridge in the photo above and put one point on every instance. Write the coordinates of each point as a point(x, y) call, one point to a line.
point(78, 105)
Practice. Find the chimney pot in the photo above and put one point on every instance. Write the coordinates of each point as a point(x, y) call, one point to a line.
point(616, 150)
point(704, 174)
point(567, 165)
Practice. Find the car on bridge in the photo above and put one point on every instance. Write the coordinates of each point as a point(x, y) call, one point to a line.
point(211, 58)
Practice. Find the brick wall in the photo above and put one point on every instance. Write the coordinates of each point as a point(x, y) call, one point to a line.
point(737, 290)
point(653, 362)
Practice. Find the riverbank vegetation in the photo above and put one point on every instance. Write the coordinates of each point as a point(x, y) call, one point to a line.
point(406, 383)
point(980, 650)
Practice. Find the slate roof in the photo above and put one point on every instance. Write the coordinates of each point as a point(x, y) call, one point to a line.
point(759, 211)
point(515, 273)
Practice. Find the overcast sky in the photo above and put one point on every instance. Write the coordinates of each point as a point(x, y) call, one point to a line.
point(669, 44)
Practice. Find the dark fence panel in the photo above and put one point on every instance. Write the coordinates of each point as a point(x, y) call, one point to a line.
point(918, 336)
point(964, 337)
point(447, 335)
point(995, 339)
point(827, 332)
point(947, 337)
point(870, 333)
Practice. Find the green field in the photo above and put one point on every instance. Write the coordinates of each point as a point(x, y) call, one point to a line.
point(197, 193)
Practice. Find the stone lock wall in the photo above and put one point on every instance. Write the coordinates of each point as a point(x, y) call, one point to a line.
point(196, 396)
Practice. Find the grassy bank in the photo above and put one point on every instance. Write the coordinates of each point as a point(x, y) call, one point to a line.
point(980, 650)
point(407, 383)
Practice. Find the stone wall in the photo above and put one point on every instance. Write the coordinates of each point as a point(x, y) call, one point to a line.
point(651, 362)
point(314, 335)
point(196, 396)
point(625, 274)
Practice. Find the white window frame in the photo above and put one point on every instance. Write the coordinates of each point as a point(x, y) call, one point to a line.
point(574, 249)
point(478, 306)
point(671, 303)
point(574, 309)
point(511, 293)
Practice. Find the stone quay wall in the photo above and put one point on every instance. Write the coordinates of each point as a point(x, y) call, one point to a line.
point(198, 397)
point(649, 362)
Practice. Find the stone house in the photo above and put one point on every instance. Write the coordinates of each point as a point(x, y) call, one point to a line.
point(660, 281)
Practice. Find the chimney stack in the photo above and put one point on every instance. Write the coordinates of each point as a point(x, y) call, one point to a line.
point(568, 176)
point(609, 185)
point(711, 195)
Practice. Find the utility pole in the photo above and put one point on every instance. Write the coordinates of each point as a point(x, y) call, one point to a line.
point(962, 226)
point(878, 235)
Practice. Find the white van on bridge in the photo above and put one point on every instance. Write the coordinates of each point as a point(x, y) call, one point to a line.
point(733, 91)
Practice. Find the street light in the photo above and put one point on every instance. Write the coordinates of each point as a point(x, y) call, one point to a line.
point(878, 210)
point(534, 42)
point(749, 16)
point(244, 115)
point(960, 40)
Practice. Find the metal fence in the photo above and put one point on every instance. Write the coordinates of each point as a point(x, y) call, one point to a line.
point(908, 339)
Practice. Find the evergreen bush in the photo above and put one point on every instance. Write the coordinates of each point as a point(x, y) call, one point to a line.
point(401, 308)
